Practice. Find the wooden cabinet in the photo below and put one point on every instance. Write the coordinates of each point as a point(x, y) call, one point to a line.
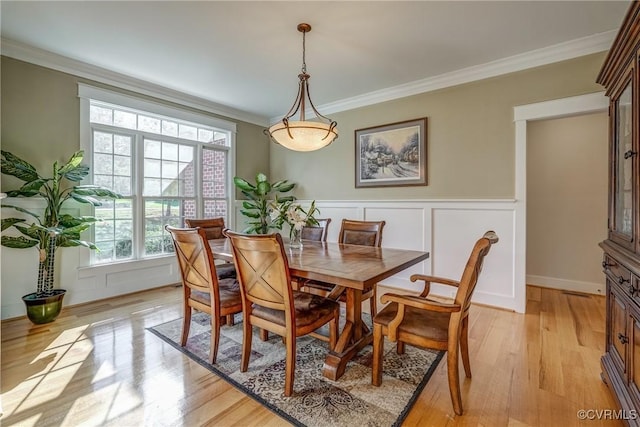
point(620, 75)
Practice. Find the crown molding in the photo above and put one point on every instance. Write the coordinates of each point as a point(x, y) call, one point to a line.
point(535, 58)
point(27, 53)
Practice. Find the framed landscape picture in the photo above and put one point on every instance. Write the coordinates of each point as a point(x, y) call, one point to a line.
point(392, 155)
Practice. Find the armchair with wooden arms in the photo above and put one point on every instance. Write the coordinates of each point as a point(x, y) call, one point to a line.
point(202, 290)
point(270, 303)
point(352, 232)
point(427, 323)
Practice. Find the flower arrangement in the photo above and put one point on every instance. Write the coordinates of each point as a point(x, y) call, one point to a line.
point(295, 216)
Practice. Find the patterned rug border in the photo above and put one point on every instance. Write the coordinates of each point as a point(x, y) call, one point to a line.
point(275, 409)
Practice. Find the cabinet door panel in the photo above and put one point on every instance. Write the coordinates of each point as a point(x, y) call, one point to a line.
point(622, 217)
point(634, 355)
point(618, 335)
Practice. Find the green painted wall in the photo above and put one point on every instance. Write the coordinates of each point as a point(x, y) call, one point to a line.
point(471, 136)
point(40, 119)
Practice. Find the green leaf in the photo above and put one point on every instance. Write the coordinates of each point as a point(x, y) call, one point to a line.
point(250, 214)
point(75, 230)
point(67, 243)
point(33, 231)
point(285, 187)
point(8, 222)
point(263, 188)
point(24, 211)
point(242, 184)
point(72, 164)
point(86, 199)
point(33, 187)
point(18, 242)
point(285, 199)
point(20, 193)
point(94, 190)
point(68, 221)
point(249, 205)
point(15, 166)
point(250, 195)
point(77, 174)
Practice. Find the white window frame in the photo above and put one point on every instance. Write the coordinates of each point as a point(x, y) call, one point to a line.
point(86, 93)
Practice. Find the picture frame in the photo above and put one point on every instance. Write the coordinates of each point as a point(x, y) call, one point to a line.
point(392, 155)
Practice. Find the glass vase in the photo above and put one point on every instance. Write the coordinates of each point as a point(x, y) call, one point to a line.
point(295, 238)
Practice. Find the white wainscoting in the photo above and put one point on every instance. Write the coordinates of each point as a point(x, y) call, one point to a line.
point(445, 228)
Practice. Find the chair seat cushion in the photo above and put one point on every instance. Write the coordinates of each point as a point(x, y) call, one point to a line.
point(226, 271)
point(428, 324)
point(309, 309)
point(229, 294)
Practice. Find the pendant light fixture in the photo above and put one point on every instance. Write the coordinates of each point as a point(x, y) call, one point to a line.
point(300, 134)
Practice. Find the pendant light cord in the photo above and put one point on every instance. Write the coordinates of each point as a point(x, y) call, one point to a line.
point(304, 63)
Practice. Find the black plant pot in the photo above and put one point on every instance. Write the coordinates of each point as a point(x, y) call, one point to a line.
point(44, 309)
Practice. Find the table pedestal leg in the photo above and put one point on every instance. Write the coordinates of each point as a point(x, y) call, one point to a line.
point(351, 340)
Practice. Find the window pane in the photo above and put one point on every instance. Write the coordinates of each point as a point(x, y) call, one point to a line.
point(205, 135)
point(215, 208)
point(122, 165)
point(114, 233)
point(169, 151)
point(170, 187)
point(122, 185)
point(188, 132)
point(169, 169)
point(102, 142)
point(152, 168)
point(169, 128)
point(122, 145)
point(103, 164)
point(100, 115)
point(152, 149)
point(188, 209)
point(152, 187)
point(124, 119)
point(103, 181)
point(214, 164)
point(220, 138)
point(185, 153)
point(149, 124)
point(159, 213)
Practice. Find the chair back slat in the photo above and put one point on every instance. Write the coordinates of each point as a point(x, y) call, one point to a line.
point(212, 226)
point(363, 233)
point(194, 259)
point(263, 269)
point(318, 232)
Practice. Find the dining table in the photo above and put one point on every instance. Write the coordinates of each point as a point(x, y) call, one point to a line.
point(354, 270)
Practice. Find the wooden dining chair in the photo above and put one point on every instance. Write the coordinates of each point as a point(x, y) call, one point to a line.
point(427, 323)
point(202, 290)
point(318, 232)
point(352, 232)
point(213, 229)
point(270, 303)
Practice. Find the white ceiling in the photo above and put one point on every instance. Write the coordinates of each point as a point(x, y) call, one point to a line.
point(246, 55)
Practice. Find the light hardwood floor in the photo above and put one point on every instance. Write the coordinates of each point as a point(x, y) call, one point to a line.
point(96, 365)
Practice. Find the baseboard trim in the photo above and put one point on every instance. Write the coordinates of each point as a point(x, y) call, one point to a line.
point(566, 285)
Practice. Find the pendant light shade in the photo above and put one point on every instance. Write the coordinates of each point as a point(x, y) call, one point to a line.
point(301, 134)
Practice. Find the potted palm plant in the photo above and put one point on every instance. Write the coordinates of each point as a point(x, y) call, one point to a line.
point(51, 229)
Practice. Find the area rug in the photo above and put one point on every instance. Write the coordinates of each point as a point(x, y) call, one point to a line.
point(317, 401)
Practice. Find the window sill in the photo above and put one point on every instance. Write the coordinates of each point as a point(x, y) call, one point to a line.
point(123, 266)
